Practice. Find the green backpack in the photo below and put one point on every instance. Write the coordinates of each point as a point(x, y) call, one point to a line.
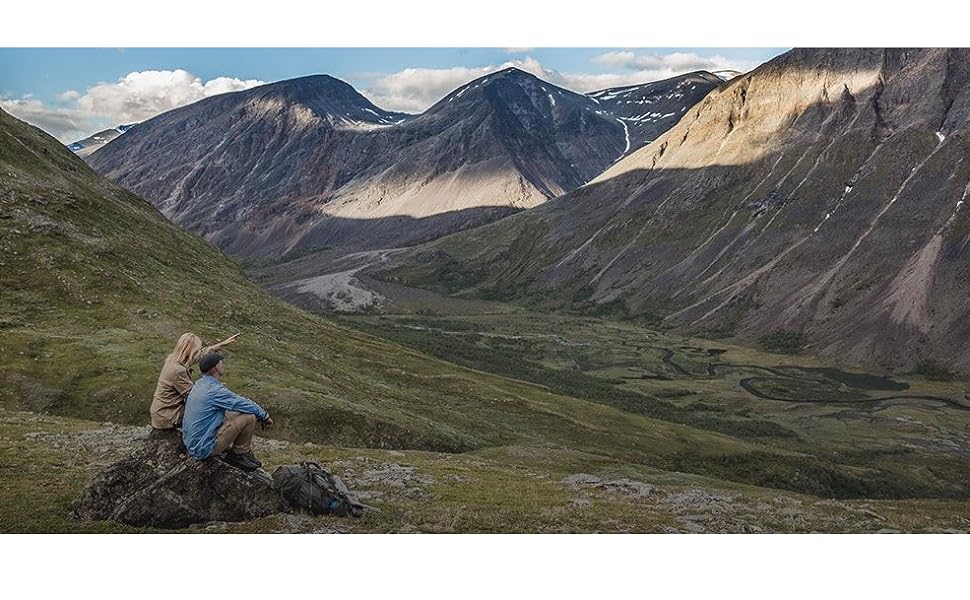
point(311, 488)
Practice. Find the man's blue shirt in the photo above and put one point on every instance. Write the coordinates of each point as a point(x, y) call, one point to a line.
point(205, 411)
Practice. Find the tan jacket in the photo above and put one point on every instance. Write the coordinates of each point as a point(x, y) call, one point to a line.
point(168, 403)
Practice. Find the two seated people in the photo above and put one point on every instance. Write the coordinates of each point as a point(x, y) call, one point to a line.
point(213, 419)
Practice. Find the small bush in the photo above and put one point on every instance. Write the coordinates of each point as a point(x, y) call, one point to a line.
point(935, 371)
point(718, 332)
point(614, 308)
point(784, 342)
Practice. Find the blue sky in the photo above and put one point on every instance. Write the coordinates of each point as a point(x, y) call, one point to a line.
point(74, 92)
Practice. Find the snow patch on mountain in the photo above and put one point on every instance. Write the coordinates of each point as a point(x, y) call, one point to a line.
point(626, 133)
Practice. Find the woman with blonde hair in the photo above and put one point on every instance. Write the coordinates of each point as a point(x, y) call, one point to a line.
point(175, 380)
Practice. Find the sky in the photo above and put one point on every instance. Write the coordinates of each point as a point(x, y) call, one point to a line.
point(72, 93)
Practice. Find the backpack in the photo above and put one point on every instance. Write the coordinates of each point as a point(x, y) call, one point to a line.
point(311, 488)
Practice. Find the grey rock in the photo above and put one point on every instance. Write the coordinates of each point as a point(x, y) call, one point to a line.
point(159, 485)
point(581, 479)
point(692, 527)
point(626, 487)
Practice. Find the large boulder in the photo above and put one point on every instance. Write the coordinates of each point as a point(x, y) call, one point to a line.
point(160, 485)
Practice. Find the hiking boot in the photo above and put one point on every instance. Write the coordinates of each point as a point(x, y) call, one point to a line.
point(254, 460)
point(242, 461)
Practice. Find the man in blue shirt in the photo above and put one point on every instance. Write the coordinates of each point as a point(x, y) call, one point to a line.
point(218, 420)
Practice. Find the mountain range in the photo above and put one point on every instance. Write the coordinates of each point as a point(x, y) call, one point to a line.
point(96, 141)
point(818, 196)
point(309, 163)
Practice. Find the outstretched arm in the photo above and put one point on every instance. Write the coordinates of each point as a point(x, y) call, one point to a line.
point(225, 342)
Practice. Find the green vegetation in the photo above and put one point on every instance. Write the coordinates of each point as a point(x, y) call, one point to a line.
point(520, 359)
point(784, 342)
point(934, 371)
point(500, 489)
point(817, 438)
point(454, 278)
point(717, 333)
point(614, 308)
point(512, 257)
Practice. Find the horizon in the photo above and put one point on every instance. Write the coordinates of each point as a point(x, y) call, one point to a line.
point(74, 93)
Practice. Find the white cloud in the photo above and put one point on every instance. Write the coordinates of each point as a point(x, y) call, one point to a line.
point(224, 85)
point(415, 89)
point(69, 96)
point(661, 66)
point(135, 97)
point(615, 58)
point(66, 124)
point(143, 94)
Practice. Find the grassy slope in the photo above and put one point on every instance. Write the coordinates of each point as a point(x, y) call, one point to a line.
point(498, 261)
point(502, 489)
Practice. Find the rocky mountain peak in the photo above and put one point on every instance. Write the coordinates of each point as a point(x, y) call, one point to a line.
point(649, 109)
point(329, 98)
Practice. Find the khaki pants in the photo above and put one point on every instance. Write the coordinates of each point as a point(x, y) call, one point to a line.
point(236, 433)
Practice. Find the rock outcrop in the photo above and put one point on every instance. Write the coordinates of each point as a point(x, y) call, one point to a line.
point(159, 485)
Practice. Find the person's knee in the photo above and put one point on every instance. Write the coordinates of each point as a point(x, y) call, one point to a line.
point(248, 420)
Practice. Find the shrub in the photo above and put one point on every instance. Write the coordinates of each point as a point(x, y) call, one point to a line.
point(935, 371)
point(784, 341)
